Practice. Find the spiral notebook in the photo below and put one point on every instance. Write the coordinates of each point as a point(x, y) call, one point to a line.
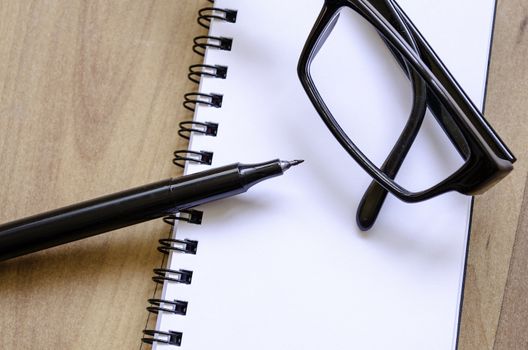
point(284, 266)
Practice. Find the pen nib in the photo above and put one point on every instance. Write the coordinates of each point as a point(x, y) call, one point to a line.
point(288, 164)
point(296, 162)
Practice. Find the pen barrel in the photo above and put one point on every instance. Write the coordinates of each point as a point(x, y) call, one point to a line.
point(129, 207)
point(84, 219)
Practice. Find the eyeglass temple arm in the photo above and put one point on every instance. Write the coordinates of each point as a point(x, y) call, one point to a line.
point(370, 205)
point(374, 197)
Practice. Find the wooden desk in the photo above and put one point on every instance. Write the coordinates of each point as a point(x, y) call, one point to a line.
point(90, 99)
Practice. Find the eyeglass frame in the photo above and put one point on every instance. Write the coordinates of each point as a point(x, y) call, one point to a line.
point(487, 158)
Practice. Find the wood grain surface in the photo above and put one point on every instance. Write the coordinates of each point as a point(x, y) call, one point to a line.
point(498, 214)
point(90, 99)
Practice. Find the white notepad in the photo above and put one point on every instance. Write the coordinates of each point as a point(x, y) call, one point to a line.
point(285, 266)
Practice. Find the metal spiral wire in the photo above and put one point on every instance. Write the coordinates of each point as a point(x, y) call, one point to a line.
point(177, 307)
point(207, 14)
point(203, 42)
point(191, 99)
point(201, 157)
point(186, 129)
point(197, 71)
point(171, 338)
point(189, 127)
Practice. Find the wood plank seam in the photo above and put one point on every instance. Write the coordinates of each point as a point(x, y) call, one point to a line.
point(524, 209)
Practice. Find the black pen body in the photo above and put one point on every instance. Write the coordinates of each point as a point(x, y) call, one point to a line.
point(129, 207)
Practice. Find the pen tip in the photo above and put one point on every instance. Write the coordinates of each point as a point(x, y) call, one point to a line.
point(288, 164)
point(296, 162)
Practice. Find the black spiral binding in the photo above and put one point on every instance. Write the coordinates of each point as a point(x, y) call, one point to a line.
point(191, 216)
point(186, 246)
point(196, 71)
point(179, 276)
point(186, 129)
point(205, 16)
point(182, 156)
point(177, 307)
point(170, 337)
point(197, 98)
point(203, 42)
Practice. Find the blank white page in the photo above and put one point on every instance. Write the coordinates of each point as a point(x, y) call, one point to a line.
point(285, 266)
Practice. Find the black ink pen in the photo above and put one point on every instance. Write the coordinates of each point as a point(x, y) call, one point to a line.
point(132, 206)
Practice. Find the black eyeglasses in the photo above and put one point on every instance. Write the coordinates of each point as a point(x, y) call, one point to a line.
point(486, 158)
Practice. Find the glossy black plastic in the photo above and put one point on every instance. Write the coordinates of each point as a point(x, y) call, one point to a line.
point(487, 158)
point(129, 207)
point(374, 197)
